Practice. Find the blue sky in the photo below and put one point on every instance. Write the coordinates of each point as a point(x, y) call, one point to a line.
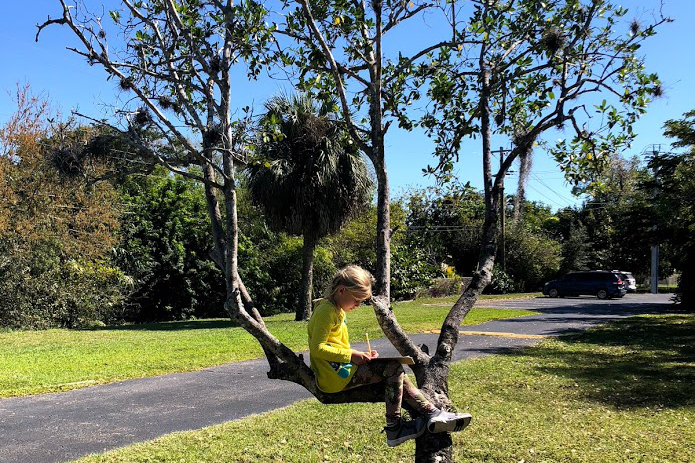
point(70, 83)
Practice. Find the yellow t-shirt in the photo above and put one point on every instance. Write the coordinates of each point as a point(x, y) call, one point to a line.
point(329, 347)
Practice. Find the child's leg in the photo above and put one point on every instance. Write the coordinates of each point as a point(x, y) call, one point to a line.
point(416, 398)
point(391, 373)
point(395, 379)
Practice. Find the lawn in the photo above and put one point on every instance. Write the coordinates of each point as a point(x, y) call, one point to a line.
point(620, 393)
point(55, 360)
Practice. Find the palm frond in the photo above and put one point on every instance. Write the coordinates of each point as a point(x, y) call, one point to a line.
point(312, 180)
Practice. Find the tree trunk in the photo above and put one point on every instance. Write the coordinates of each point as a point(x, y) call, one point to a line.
point(434, 378)
point(304, 308)
point(434, 448)
point(218, 233)
point(431, 448)
point(378, 131)
point(383, 233)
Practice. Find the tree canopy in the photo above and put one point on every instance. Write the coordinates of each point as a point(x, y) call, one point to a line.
point(518, 69)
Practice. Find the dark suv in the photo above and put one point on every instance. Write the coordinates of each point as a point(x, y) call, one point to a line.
point(600, 283)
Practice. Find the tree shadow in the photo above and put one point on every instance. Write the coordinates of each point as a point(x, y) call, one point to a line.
point(172, 326)
point(653, 365)
point(607, 309)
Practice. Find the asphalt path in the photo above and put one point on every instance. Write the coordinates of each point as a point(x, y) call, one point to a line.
point(56, 427)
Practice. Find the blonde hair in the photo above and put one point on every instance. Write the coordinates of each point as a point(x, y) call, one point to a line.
point(356, 279)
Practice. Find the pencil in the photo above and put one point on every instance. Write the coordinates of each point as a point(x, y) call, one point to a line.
point(369, 348)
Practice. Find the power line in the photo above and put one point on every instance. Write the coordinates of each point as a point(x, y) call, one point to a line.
point(546, 185)
point(546, 197)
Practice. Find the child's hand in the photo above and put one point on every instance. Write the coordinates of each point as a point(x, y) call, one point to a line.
point(373, 354)
point(360, 358)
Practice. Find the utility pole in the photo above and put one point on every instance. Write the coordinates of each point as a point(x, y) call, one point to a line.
point(654, 274)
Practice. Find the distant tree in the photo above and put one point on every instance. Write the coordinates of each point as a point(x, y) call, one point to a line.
point(446, 222)
point(413, 267)
point(165, 246)
point(674, 185)
point(624, 213)
point(612, 228)
point(576, 249)
point(532, 257)
point(56, 231)
point(309, 179)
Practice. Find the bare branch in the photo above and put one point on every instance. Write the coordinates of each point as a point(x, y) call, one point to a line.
point(395, 333)
point(328, 55)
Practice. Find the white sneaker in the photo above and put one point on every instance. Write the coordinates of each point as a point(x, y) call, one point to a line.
point(442, 421)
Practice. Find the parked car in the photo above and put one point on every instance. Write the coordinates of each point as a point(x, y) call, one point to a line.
point(603, 284)
point(628, 279)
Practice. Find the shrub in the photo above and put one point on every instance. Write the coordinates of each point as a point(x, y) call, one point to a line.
point(501, 282)
point(40, 290)
point(165, 247)
point(410, 271)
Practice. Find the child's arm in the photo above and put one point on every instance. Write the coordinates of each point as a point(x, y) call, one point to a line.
point(319, 346)
point(360, 358)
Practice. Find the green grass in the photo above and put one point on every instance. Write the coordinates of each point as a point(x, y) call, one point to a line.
point(621, 393)
point(55, 360)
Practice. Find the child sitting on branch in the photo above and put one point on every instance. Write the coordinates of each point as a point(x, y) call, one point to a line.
point(338, 367)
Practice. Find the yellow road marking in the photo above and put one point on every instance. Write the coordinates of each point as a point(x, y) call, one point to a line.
point(497, 333)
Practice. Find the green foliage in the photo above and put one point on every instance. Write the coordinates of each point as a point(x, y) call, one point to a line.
point(349, 31)
point(195, 40)
point(576, 249)
point(412, 267)
point(612, 230)
point(41, 288)
point(355, 243)
point(446, 222)
point(165, 247)
point(531, 258)
point(270, 263)
point(308, 177)
point(502, 282)
point(674, 185)
point(449, 286)
point(527, 67)
point(272, 271)
point(411, 270)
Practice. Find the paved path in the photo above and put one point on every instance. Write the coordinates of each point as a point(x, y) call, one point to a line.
point(61, 426)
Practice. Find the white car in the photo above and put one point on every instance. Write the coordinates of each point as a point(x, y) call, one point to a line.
point(628, 279)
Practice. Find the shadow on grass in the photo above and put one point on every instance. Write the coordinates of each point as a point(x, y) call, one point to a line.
point(173, 326)
point(654, 365)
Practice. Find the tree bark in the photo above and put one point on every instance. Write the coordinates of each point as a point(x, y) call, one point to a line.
point(434, 378)
point(383, 231)
point(303, 311)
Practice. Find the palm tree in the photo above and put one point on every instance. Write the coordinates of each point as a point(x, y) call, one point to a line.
point(309, 177)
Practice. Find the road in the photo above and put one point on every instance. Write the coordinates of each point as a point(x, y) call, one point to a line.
point(57, 427)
